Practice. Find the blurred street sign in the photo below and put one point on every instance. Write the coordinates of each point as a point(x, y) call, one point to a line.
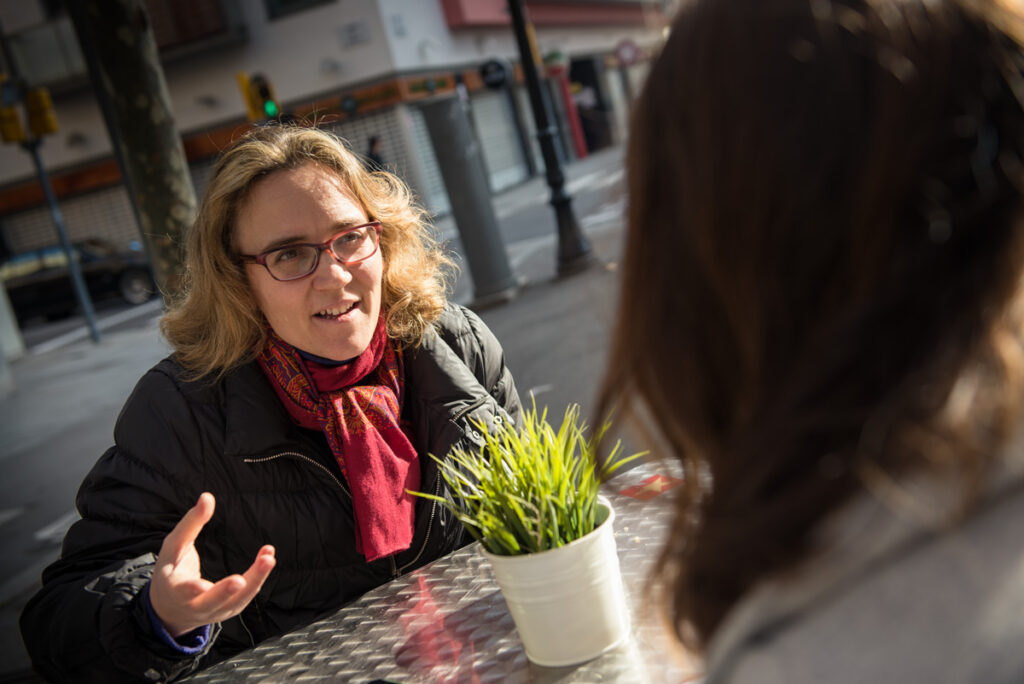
point(494, 73)
point(627, 52)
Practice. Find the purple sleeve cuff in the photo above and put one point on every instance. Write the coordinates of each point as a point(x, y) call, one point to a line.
point(190, 643)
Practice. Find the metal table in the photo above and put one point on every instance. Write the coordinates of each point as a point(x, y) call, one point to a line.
point(448, 622)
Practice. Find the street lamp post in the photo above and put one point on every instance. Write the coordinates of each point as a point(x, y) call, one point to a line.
point(574, 251)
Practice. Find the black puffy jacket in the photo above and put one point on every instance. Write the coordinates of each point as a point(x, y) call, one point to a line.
point(274, 482)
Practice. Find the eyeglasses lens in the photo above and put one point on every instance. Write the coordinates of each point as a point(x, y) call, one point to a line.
point(289, 263)
point(354, 245)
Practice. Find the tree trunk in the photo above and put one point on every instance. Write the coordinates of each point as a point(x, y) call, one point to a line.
point(128, 80)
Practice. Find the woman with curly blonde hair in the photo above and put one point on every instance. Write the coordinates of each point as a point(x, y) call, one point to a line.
point(316, 363)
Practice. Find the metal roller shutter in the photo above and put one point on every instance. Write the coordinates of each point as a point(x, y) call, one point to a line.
point(435, 197)
point(105, 214)
point(496, 131)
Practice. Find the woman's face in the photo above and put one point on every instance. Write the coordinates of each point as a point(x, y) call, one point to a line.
point(333, 311)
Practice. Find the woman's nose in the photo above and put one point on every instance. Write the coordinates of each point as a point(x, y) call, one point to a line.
point(329, 272)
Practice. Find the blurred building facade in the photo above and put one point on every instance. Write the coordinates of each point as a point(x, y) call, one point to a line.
point(358, 67)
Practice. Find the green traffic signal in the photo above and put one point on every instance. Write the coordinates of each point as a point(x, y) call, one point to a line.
point(264, 96)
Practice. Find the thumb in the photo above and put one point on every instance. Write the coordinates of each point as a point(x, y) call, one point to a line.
point(188, 528)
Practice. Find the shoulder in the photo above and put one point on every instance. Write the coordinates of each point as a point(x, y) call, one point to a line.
point(168, 383)
point(165, 399)
point(884, 613)
point(458, 348)
point(160, 437)
point(466, 333)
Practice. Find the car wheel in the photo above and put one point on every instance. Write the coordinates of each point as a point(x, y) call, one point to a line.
point(136, 286)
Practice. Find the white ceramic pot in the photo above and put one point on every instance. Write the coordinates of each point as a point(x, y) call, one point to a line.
point(568, 603)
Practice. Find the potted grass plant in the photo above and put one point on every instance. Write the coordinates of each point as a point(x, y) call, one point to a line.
point(530, 496)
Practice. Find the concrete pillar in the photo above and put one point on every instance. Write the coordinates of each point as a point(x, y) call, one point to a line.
point(11, 343)
point(6, 379)
point(465, 178)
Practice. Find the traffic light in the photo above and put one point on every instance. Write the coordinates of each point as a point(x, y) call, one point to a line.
point(42, 119)
point(259, 96)
point(11, 129)
point(265, 96)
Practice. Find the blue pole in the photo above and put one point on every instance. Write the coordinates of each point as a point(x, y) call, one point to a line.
point(81, 293)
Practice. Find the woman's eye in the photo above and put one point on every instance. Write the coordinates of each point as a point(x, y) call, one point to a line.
point(283, 255)
point(355, 237)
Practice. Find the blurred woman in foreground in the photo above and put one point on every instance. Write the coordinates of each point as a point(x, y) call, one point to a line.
point(821, 318)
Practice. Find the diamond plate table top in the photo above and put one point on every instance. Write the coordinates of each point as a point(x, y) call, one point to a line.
point(448, 622)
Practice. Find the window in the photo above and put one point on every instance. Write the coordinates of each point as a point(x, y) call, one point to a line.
point(176, 23)
point(48, 53)
point(281, 8)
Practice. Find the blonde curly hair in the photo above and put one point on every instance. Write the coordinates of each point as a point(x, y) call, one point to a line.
point(215, 324)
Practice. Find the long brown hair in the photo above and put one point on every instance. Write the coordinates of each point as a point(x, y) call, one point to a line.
point(216, 324)
point(824, 240)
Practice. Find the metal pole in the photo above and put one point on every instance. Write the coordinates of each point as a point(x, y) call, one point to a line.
point(574, 251)
point(627, 85)
point(517, 119)
point(32, 146)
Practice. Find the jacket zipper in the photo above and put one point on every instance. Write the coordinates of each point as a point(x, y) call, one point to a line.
point(437, 491)
point(430, 525)
point(307, 459)
point(395, 570)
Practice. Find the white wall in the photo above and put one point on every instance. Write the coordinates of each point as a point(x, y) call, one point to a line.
point(419, 37)
point(305, 56)
point(302, 54)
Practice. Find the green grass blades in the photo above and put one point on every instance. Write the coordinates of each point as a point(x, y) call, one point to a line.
point(532, 488)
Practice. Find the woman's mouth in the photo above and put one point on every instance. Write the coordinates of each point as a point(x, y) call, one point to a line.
point(334, 314)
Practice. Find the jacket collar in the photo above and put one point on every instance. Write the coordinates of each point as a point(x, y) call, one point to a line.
point(254, 419)
point(435, 378)
point(440, 379)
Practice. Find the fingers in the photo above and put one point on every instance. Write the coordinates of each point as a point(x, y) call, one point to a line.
point(188, 528)
point(257, 574)
point(189, 589)
point(260, 568)
point(181, 598)
point(231, 595)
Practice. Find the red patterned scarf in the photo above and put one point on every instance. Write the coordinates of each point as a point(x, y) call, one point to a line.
point(361, 423)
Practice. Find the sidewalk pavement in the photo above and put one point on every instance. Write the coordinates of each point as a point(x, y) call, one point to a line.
point(67, 395)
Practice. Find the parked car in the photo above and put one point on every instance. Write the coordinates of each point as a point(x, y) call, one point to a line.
point(39, 282)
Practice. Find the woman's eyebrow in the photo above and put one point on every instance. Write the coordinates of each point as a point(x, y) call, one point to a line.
point(338, 227)
point(286, 241)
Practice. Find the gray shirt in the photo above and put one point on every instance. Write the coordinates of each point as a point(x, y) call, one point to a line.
point(898, 593)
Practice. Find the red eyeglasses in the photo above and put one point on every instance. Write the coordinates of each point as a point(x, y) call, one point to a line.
point(292, 262)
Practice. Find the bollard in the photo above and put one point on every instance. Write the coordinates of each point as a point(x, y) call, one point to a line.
point(465, 179)
point(6, 379)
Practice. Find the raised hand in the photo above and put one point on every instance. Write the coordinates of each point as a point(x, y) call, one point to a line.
point(180, 596)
